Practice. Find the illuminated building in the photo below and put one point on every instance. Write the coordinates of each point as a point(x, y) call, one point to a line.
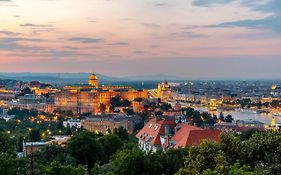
point(72, 123)
point(273, 122)
point(7, 95)
point(93, 81)
point(164, 91)
point(213, 104)
point(137, 106)
point(89, 98)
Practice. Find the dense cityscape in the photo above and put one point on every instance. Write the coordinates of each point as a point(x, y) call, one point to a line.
point(140, 87)
point(95, 129)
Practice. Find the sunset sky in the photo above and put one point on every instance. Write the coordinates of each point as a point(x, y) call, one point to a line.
point(186, 38)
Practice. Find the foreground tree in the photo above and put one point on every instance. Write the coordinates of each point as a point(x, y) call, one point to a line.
point(11, 165)
point(6, 143)
point(207, 155)
point(55, 168)
point(85, 148)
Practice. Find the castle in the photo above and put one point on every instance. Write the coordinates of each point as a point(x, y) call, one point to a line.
point(92, 97)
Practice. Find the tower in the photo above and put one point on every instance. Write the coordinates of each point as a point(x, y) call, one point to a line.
point(273, 122)
point(213, 104)
point(93, 80)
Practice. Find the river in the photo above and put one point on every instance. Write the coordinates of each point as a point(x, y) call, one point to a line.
point(240, 115)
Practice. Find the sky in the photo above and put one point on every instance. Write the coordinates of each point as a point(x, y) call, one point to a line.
point(186, 38)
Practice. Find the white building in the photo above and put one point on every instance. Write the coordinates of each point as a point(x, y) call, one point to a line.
point(72, 123)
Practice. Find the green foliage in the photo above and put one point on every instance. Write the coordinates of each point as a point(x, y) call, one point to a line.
point(165, 106)
point(129, 111)
point(22, 114)
point(7, 145)
point(264, 151)
point(250, 153)
point(237, 170)
point(118, 102)
point(110, 144)
point(53, 153)
point(55, 168)
point(35, 135)
point(85, 148)
point(248, 134)
point(130, 162)
point(121, 133)
point(207, 155)
point(229, 118)
point(231, 146)
point(11, 165)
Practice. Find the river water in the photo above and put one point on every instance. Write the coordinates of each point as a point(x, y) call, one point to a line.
point(241, 115)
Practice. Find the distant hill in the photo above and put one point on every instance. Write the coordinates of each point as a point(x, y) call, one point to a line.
point(80, 77)
point(7, 82)
point(157, 77)
point(54, 77)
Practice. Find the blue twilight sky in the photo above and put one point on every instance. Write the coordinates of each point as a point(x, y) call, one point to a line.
point(187, 38)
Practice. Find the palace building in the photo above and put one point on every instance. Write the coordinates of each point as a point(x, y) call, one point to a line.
point(164, 91)
point(90, 98)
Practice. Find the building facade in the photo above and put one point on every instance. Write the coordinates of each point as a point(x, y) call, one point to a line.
point(106, 123)
point(88, 99)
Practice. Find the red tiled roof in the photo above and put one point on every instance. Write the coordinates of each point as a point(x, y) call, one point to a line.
point(191, 135)
point(153, 129)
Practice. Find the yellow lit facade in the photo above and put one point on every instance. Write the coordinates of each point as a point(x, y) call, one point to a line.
point(93, 81)
point(213, 104)
point(88, 99)
point(164, 91)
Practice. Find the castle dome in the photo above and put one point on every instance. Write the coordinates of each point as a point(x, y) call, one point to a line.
point(93, 77)
point(93, 80)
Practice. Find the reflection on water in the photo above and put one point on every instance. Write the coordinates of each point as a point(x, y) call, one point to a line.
point(243, 115)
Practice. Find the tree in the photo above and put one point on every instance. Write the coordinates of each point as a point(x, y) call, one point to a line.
point(11, 165)
point(197, 119)
point(85, 149)
point(53, 153)
point(122, 133)
point(158, 113)
point(115, 101)
point(55, 168)
point(248, 134)
point(188, 111)
point(126, 103)
point(34, 135)
point(129, 111)
point(237, 170)
point(110, 143)
point(130, 162)
point(207, 155)
point(231, 146)
point(6, 143)
point(229, 118)
point(165, 107)
point(263, 150)
point(221, 116)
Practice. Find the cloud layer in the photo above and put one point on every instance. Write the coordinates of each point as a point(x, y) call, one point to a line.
point(134, 35)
